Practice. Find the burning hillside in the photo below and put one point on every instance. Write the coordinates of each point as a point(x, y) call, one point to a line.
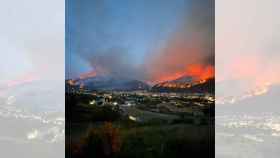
point(201, 86)
point(196, 78)
point(196, 72)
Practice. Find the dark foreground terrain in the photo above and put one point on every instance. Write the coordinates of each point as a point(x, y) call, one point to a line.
point(121, 125)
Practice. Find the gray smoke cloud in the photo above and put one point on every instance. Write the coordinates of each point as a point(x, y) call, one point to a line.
point(115, 62)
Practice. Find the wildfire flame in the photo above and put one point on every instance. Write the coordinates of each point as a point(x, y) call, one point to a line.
point(71, 82)
point(198, 72)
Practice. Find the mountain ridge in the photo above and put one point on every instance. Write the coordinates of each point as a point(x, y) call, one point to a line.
point(108, 83)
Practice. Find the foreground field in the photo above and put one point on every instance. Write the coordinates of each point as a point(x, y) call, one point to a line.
point(111, 131)
point(143, 141)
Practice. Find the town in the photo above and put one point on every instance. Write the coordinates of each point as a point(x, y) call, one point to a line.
point(143, 106)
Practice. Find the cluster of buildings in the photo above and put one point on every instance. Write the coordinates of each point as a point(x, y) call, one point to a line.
point(155, 102)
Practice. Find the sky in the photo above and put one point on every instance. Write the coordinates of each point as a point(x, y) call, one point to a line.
point(129, 38)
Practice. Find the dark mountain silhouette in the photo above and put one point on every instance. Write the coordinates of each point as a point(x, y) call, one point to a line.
point(107, 83)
